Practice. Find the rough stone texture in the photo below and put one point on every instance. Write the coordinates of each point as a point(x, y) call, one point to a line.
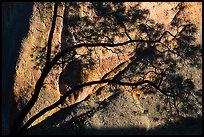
point(104, 60)
point(47, 96)
point(26, 76)
point(120, 114)
point(150, 110)
point(164, 13)
point(123, 111)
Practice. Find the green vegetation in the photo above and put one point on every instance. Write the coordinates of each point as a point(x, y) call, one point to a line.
point(39, 57)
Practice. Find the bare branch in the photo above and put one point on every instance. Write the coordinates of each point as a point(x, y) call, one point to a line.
point(166, 33)
point(168, 49)
point(62, 98)
point(107, 38)
point(39, 83)
point(65, 61)
point(63, 52)
point(107, 75)
point(49, 64)
point(126, 31)
point(174, 103)
point(162, 76)
point(49, 44)
point(60, 54)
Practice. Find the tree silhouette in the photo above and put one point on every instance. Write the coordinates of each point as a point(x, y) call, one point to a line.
point(154, 57)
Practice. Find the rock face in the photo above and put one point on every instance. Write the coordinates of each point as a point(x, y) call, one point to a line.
point(104, 60)
point(119, 114)
point(123, 109)
point(143, 113)
point(26, 73)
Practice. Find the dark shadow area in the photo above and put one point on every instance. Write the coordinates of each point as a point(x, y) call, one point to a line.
point(70, 76)
point(15, 26)
point(185, 126)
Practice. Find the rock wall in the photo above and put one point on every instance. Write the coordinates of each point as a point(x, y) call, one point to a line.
point(104, 60)
point(146, 111)
point(26, 74)
point(60, 80)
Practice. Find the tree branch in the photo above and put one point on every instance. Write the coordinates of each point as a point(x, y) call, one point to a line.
point(174, 103)
point(69, 49)
point(48, 66)
point(62, 98)
point(39, 84)
point(126, 31)
point(49, 44)
point(69, 59)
